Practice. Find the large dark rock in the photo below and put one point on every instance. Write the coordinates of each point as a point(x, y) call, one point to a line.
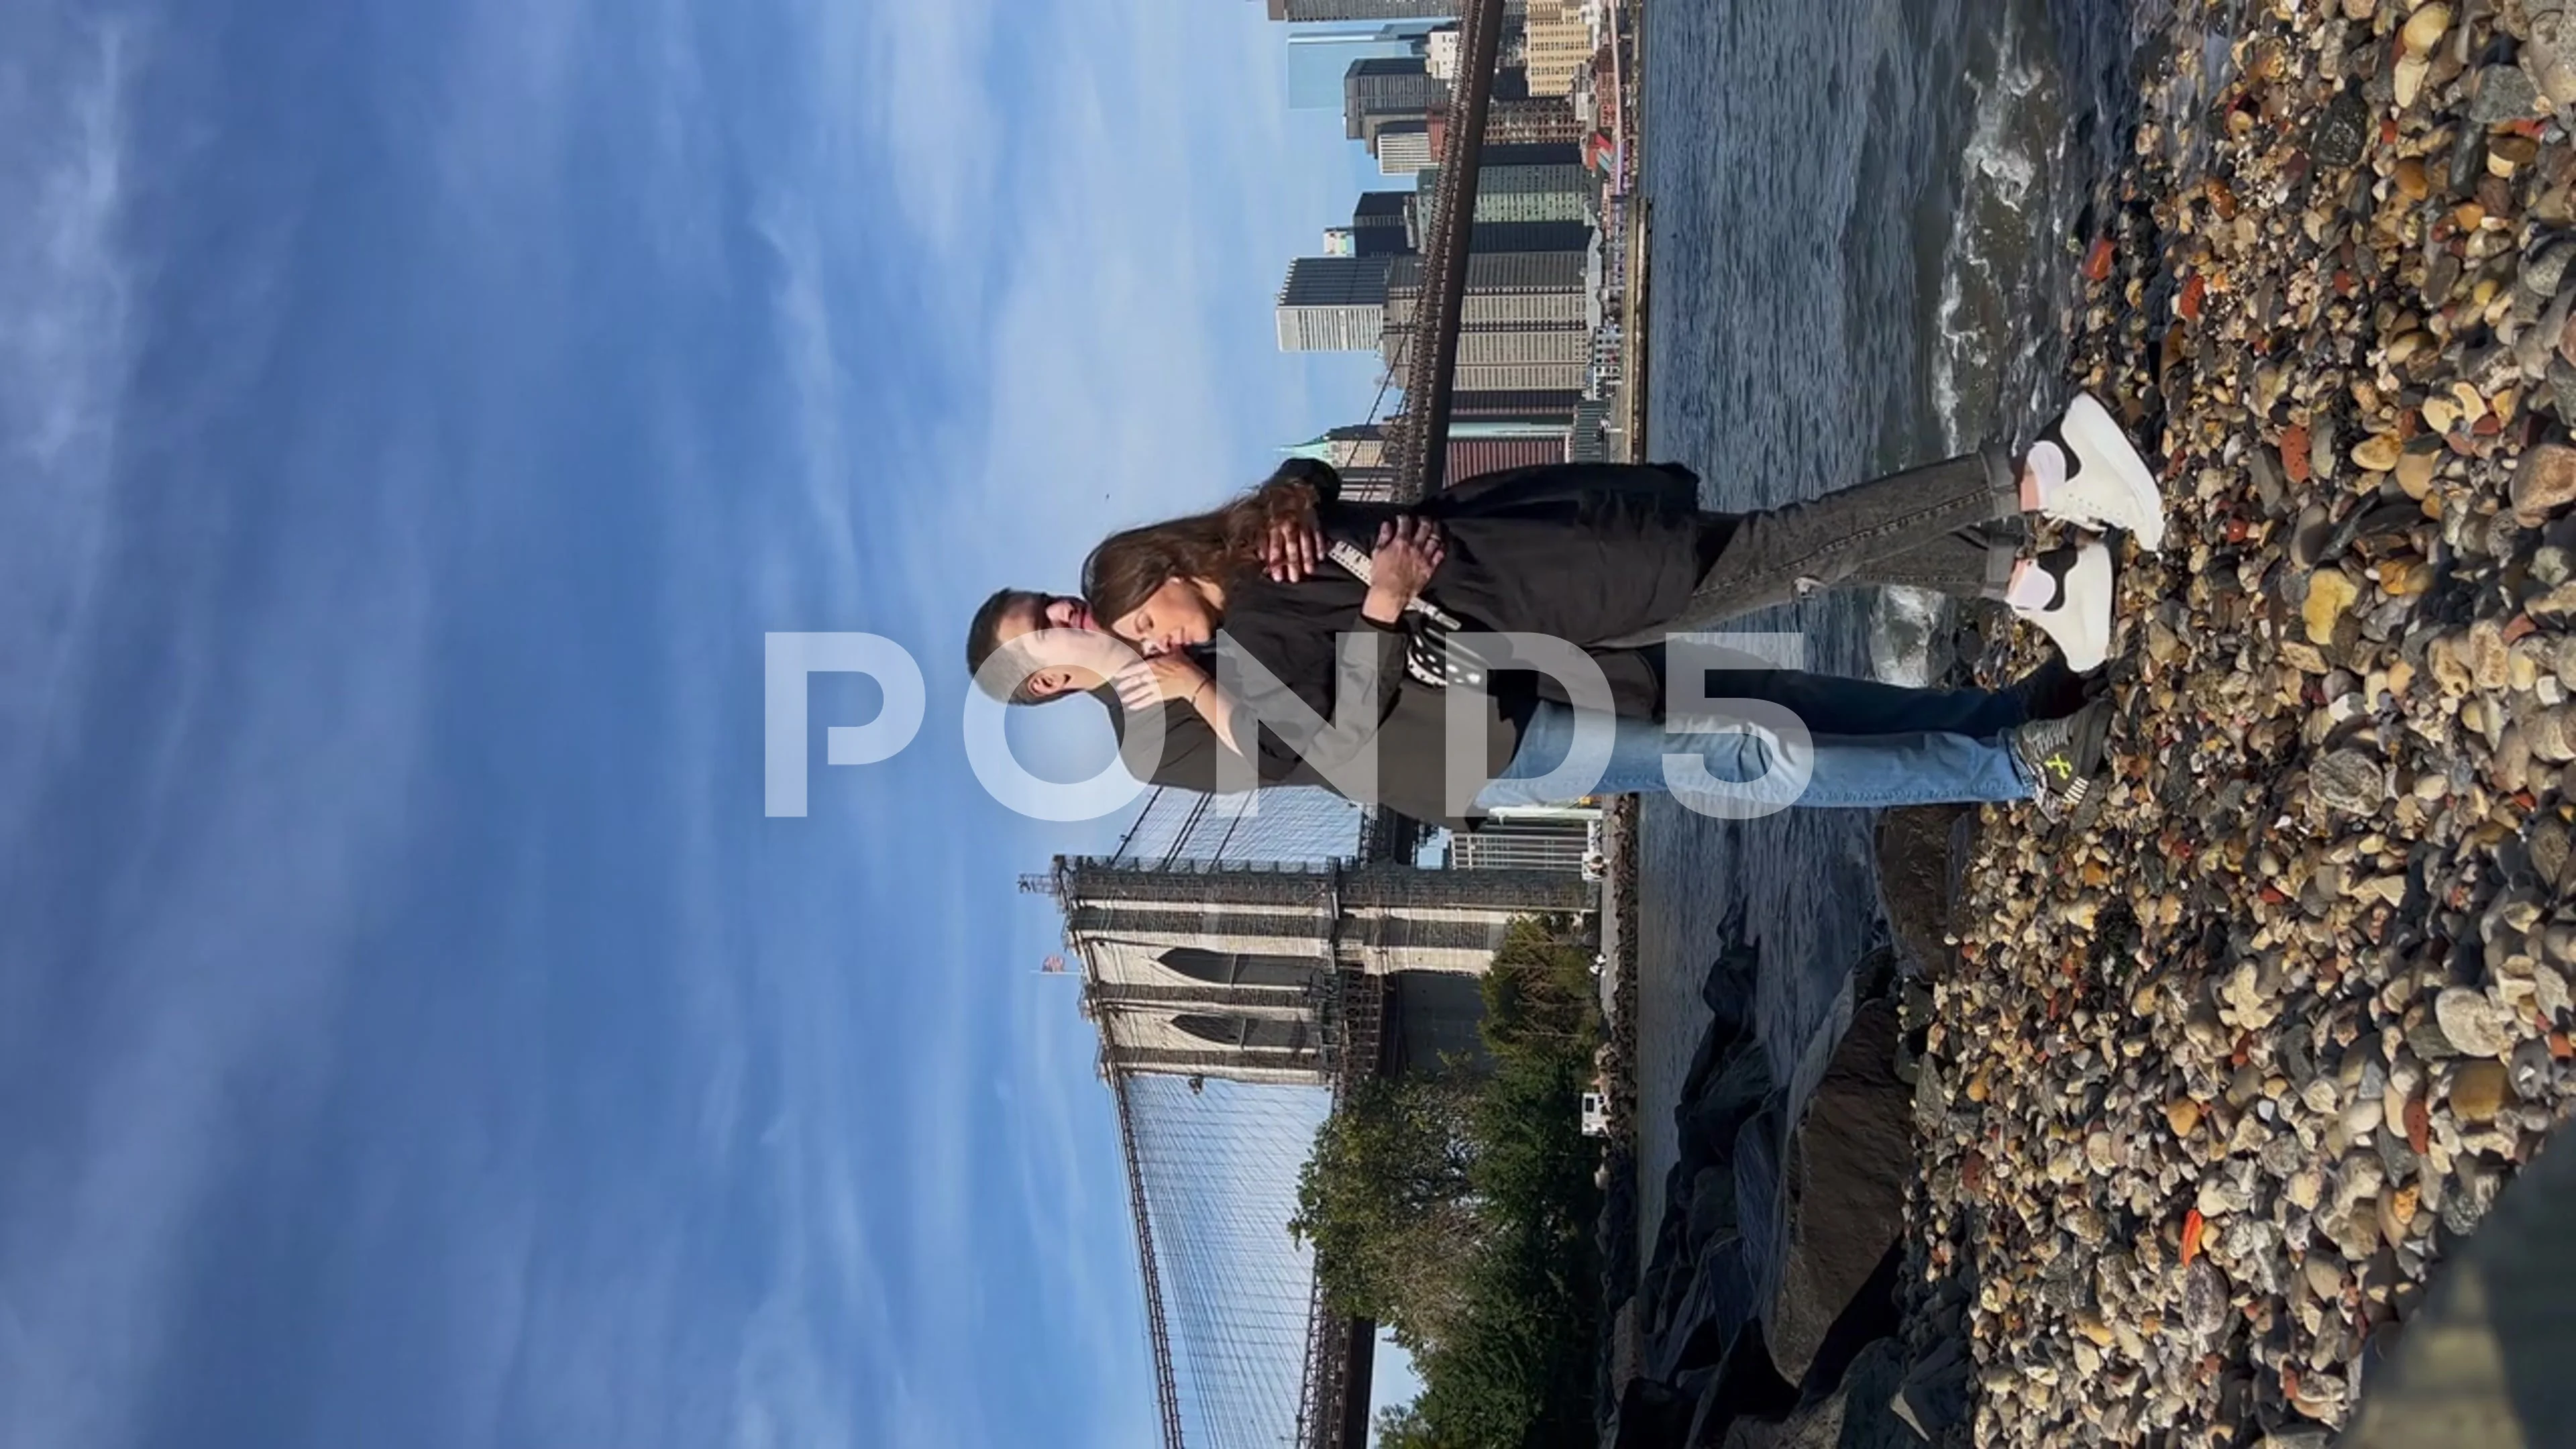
point(1844, 1189)
point(1758, 1208)
point(1856, 1415)
point(1711, 1313)
point(1745, 1389)
point(1728, 989)
point(1914, 846)
point(1712, 1205)
point(1934, 1393)
point(1711, 1116)
point(1652, 1415)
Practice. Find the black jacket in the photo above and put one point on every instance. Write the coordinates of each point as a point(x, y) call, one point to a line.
point(1189, 756)
point(1584, 552)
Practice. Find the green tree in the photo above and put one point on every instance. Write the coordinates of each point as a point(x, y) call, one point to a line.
point(1384, 1200)
point(1458, 1208)
point(1402, 1426)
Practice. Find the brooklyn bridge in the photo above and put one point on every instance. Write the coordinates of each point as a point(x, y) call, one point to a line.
point(1245, 970)
point(1247, 967)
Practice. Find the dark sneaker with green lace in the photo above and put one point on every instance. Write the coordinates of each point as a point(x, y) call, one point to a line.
point(2061, 757)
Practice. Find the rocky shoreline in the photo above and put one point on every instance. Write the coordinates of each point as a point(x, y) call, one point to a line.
point(1768, 1310)
point(2228, 1065)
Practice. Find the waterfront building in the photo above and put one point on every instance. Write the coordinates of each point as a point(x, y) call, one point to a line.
point(1509, 403)
point(1588, 441)
point(1495, 156)
point(1469, 457)
point(1541, 842)
point(1540, 120)
point(1557, 45)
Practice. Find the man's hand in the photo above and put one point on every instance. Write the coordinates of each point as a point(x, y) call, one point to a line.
point(1409, 551)
point(1293, 550)
point(1149, 682)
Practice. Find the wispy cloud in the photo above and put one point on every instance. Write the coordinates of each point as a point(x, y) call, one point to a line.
point(911, 66)
point(1096, 209)
point(66, 343)
point(973, 285)
point(1100, 211)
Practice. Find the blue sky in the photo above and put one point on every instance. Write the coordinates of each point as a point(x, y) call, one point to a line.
point(412, 1032)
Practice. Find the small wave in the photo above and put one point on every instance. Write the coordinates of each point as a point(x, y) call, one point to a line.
point(1999, 149)
point(2011, 147)
point(1906, 629)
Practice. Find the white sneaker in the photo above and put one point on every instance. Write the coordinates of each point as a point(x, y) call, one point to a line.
point(2090, 474)
point(2079, 618)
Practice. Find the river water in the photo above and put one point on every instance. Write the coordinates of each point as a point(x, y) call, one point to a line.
point(1866, 220)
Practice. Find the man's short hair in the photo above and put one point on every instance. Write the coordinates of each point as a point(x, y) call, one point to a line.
point(984, 638)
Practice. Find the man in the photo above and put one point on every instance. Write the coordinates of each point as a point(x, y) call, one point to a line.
point(1070, 654)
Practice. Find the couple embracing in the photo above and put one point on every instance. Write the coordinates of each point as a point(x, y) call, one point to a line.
point(1504, 643)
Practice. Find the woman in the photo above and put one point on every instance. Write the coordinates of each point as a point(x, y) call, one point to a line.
point(1599, 555)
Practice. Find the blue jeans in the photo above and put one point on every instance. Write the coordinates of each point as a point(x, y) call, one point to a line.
point(1887, 746)
point(1832, 704)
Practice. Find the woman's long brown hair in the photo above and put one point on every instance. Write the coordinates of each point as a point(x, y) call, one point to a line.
point(1221, 546)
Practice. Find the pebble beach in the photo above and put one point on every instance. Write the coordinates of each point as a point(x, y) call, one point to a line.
point(2228, 1064)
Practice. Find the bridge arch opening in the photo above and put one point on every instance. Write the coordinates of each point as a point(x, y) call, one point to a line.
point(1252, 1033)
point(1237, 968)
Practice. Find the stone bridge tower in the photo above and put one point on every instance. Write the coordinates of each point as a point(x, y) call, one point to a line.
point(1290, 974)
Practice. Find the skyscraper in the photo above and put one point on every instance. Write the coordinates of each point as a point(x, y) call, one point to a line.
point(1318, 56)
point(1382, 224)
point(1503, 289)
point(1551, 153)
point(1440, 53)
point(1357, 452)
point(1362, 9)
point(1404, 147)
point(1378, 91)
point(1521, 193)
point(1333, 304)
point(1524, 324)
point(1529, 236)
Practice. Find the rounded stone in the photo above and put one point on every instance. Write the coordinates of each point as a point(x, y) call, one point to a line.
point(2544, 483)
point(2470, 1022)
point(2350, 781)
point(2480, 1091)
point(2182, 1116)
